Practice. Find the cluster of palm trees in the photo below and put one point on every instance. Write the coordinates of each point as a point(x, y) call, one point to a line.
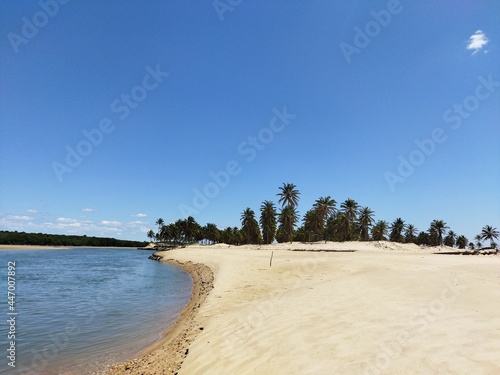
point(488, 233)
point(183, 231)
point(323, 222)
point(188, 231)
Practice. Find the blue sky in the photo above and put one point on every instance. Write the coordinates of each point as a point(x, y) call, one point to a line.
point(116, 113)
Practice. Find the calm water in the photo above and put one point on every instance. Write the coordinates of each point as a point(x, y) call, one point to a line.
point(80, 310)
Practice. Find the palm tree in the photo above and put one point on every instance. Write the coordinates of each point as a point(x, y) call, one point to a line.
point(289, 199)
point(227, 236)
point(379, 230)
point(433, 237)
point(250, 227)
point(288, 217)
point(231, 236)
point(365, 222)
point(478, 239)
point(301, 235)
point(323, 209)
point(191, 229)
point(490, 233)
point(410, 234)
point(397, 228)
point(450, 239)
point(312, 226)
point(350, 210)
point(268, 221)
point(246, 223)
point(439, 227)
point(212, 233)
point(169, 233)
point(289, 195)
point(238, 238)
point(423, 238)
point(151, 235)
point(462, 242)
point(159, 223)
point(336, 227)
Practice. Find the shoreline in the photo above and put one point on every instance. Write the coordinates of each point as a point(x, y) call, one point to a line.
point(33, 247)
point(172, 349)
point(45, 247)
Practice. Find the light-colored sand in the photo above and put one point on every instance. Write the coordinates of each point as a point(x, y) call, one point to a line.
point(31, 247)
point(383, 309)
point(41, 247)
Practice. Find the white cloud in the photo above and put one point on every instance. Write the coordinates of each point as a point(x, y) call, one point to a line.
point(111, 223)
point(68, 225)
point(32, 211)
point(137, 227)
point(21, 223)
point(477, 41)
point(138, 215)
point(17, 217)
point(136, 223)
point(80, 227)
point(87, 209)
point(66, 220)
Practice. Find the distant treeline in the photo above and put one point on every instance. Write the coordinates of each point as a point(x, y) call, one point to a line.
point(23, 238)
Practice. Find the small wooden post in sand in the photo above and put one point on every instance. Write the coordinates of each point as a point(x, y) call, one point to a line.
point(271, 260)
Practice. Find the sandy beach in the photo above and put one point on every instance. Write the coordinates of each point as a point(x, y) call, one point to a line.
point(383, 308)
point(32, 247)
point(41, 247)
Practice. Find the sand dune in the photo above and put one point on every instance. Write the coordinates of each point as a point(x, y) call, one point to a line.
point(383, 309)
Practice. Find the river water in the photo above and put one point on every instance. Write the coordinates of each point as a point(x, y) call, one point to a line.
point(79, 311)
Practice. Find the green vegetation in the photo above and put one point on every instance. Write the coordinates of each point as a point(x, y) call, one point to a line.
point(323, 222)
point(41, 239)
point(250, 227)
point(491, 234)
point(268, 221)
point(288, 217)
